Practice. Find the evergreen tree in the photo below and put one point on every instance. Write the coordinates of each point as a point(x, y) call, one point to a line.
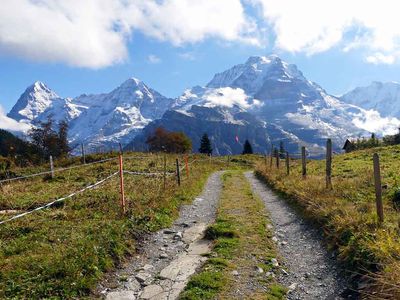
point(247, 149)
point(21, 152)
point(205, 145)
point(63, 138)
point(48, 140)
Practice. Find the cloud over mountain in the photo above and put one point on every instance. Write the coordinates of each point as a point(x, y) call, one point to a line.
point(11, 124)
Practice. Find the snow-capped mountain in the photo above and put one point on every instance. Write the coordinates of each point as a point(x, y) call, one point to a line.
point(104, 119)
point(383, 97)
point(265, 100)
point(117, 116)
point(277, 95)
point(36, 99)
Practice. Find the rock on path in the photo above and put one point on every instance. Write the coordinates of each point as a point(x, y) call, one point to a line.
point(169, 257)
point(309, 271)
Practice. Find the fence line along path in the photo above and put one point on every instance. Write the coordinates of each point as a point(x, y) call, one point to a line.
point(92, 186)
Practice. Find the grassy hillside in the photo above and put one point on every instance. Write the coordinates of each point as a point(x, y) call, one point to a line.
point(62, 251)
point(22, 151)
point(348, 214)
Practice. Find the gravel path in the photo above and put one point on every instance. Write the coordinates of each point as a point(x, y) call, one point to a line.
point(311, 272)
point(169, 257)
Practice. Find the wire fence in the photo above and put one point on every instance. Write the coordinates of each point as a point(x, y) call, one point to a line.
point(56, 170)
point(90, 187)
point(144, 173)
point(275, 158)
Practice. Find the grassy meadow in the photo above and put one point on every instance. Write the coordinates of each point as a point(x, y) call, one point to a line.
point(63, 251)
point(347, 213)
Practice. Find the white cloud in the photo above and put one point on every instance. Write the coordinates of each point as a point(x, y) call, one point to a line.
point(378, 58)
point(78, 33)
point(229, 97)
point(153, 59)
point(187, 56)
point(10, 124)
point(95, 33)
point(313, 26)
point(188, 21)
point(372, 121)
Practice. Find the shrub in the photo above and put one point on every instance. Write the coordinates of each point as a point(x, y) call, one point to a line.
point(396, 199)
point(5, 166)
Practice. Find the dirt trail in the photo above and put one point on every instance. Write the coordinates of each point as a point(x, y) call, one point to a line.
point(169, 257)
point(312, 272)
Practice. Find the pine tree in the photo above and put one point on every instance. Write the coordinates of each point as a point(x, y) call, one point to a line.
point(205, 145)
point(63, 138)
point(48, 140)
point(247, 149)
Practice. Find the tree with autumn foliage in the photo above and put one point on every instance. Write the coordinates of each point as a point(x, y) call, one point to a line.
point(169, 141)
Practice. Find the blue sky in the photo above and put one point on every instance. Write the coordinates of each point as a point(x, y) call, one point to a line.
point(176, 44)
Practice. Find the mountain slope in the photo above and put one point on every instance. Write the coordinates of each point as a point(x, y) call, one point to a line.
point(276, 95)
point(265, 99)
point(383, 97)
point(222, 125)
point(13, 146)
point(96, 120)
point(36, 99)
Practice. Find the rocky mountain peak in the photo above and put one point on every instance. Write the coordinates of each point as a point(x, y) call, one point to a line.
point(34, 101)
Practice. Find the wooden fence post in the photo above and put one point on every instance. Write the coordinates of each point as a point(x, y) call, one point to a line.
point(277, 158)
point(265, 161)
point(52, 167)
point(83, 154)
point(120, 149)
point(178, 175)
point(329, 164)
point(378, 187)
point(287, 163)
point(165, 171)
point(304, 162)
point(187, 166)
point(121, 184)
point(272, 154)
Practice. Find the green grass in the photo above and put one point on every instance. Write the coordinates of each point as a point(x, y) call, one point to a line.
point(241, 242)
point(204, 285)
point(276, 292)
point(348, 211)
point(63, 252)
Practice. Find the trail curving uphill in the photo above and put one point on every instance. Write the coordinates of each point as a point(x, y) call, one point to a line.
point(309, 271)
point(169, 257)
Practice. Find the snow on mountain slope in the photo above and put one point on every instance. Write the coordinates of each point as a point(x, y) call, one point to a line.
point(264, 99)
point(96, 120)
point(379, 96)
point(118, 115)
point(33, 102)
point(278, 95)
point(251, 75)
point(285, 97)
